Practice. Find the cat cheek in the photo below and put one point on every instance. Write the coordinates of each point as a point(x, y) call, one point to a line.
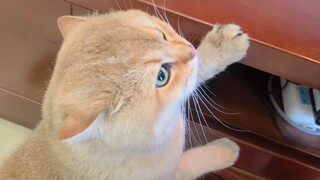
point(74, 130)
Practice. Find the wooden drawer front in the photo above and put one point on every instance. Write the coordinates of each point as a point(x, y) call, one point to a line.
point(29, 42)
point(274, 49)
point(19, 110)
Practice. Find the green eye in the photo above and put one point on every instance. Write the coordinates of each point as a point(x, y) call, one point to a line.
point(163, 75)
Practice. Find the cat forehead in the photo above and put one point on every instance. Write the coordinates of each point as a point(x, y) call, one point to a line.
point(136, 19)
point(125, 36)
point(125, 18)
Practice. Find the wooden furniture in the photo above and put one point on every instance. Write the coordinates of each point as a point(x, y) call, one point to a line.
point(285, 42)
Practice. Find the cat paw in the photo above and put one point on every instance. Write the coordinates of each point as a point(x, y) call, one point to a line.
point(222, 46)
point(229, 41)
point(228, 151)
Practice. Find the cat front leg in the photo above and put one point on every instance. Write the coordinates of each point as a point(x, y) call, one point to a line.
point(217, 155)
point(222, 46)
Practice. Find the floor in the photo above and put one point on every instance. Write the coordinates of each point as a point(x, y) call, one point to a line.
point(11, 136)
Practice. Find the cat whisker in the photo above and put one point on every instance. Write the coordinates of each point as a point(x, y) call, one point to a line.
point(164, 12)
point(191, 132)
point(179, 29)
point(185, 121)
point(220, 121)
point(130, 4)
point(206, 123)
point(132, 71)
point(197, 106)
point(208, 90)
point(116, 1)
point(190, 39)
point(203, 94)
point(193, 100)
point(157, 12)
point(125, 4)
point(188, 128)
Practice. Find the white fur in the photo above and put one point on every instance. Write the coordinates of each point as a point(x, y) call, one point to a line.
point(93, 131)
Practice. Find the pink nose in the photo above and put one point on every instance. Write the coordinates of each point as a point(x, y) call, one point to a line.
point(193, 51)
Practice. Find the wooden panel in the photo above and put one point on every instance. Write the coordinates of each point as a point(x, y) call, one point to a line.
point(80, 11)
point(283, 64)
point(261, 157)
point(248, 99)
point(101, 6)
point(263, 53)
point(290, 25)
point(232, 173)
point(34, 18)
point(25, 63)
point(29, 42)
point(18, 109)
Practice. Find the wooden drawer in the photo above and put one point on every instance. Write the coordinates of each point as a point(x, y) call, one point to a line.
point(285, 38)
point(29, 42)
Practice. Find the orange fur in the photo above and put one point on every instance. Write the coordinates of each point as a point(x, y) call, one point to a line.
point(104, 117)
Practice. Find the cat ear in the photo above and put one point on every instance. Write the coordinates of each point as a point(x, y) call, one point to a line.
point(67, 23)
point(74, 130)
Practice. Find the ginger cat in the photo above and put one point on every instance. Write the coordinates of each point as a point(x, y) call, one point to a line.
point(113, 106)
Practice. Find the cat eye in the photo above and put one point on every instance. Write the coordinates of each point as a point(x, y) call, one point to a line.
point(163, 35)
point(163, 75)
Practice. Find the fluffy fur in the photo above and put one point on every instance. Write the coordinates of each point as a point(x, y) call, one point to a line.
point(103, 116)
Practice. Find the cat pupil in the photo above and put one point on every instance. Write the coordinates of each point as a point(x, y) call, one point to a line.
point(160, 76)
point(163, 76)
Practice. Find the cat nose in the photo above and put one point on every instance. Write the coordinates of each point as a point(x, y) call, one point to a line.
point(193, 51)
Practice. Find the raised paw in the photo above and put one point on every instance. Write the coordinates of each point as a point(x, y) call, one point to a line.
point(229, 38)
point(222, 46)
point(228, 151)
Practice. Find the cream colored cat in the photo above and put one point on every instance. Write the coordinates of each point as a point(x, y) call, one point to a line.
point(113, 106)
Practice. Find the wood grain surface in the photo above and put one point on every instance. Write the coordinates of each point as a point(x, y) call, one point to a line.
point(285, 41)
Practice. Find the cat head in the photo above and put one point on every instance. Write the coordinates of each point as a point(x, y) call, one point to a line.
point(120, 78)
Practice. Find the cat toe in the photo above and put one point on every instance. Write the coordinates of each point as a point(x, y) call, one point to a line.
point(229, 35)
point(230, 31)
point(229, 149)
point(235, 36)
